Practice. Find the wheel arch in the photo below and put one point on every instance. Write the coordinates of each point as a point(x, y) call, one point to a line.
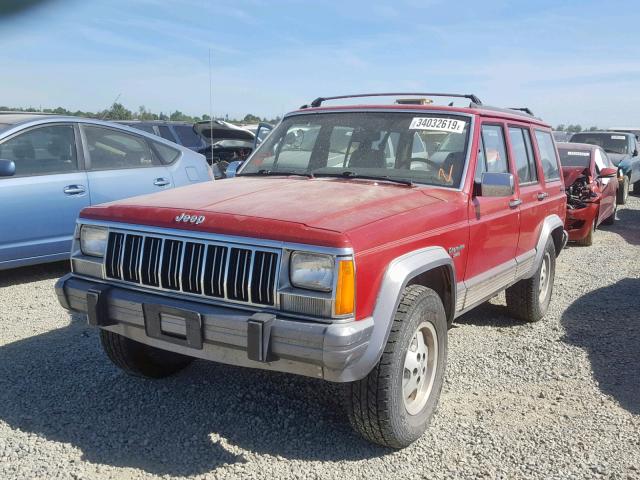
point(552, 227)
point(431, 267)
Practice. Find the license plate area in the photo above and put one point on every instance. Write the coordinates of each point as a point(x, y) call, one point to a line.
point(173, 325)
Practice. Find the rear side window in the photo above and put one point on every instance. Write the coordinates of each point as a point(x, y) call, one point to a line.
point(492, 156)
point(166, 154)
point(187, 136)
point(42, 151)
point(523, 155)
point(144, 128)
point(111, 149)
point(548, 157)
point(165, 132)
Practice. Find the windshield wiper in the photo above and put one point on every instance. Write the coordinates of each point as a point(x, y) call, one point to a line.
point(350, 174)
point(264, 172)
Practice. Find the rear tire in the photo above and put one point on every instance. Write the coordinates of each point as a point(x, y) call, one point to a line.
point(623, 192)
point(139, 359)
point(636, 188)
point(528, 300)
point(392, 406)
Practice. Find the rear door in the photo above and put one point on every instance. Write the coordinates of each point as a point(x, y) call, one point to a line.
point(41, 202)
point(531, 194)
point(553, 195)
point(121, 165)
point(494, 221)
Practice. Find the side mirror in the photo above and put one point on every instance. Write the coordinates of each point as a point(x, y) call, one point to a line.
point(7, 168)
point(232, 168)
point(497, 185)
point(608, 172)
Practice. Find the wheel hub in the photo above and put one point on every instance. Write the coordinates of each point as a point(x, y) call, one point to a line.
point(420, 364)
point(543, 285)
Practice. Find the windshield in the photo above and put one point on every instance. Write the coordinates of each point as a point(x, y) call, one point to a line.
point(610, 142)
point(575, 158)
point(424, 148)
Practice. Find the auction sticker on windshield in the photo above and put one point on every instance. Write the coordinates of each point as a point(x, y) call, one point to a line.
point(438, 124)
point(579, 154)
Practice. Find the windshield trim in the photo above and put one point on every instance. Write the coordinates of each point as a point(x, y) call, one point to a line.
point(467, 158)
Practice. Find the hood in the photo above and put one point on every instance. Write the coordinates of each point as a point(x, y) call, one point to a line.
point(320, 211)
point(219, 130)
point(571, 174)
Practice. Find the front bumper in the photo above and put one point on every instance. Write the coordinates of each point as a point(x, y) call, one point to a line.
point(219, 333)
point(579, 221)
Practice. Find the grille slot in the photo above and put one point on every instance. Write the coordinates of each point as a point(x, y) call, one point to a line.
point(263, 277)
point(247, 275)
point(214, 271)
point(113, 257)
point(149, 269)
point(238, 274)
point(192, 267)
point(170, 264)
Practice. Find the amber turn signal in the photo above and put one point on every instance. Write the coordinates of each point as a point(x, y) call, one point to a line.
point(345, 288)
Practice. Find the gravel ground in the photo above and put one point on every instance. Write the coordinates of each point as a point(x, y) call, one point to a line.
point(558, 399)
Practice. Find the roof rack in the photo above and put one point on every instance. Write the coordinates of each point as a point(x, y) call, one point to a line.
point(318, 101)
point(523, 109)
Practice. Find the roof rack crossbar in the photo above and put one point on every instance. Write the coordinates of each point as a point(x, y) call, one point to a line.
point(318, 101)
point(523, 109)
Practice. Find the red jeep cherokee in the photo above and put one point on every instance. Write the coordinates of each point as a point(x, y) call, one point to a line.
point(343, 250)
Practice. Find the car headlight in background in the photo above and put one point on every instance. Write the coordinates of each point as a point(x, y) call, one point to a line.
point(93, 240)
point(312, 271)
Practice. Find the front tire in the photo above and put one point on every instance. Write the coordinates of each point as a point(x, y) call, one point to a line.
point(612, 218)
point(393, 404)
point(139, 359)
point(623, 192)
point(636, 188)
point(588, 240)
point(529, 299)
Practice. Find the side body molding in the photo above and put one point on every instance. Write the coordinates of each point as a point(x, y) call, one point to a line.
point(398, 274)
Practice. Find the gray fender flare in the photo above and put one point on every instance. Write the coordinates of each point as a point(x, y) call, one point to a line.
point(548, 226)
point(399, 272)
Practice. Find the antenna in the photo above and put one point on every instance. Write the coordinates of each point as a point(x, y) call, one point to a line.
point(210, 106)
point(107, 109)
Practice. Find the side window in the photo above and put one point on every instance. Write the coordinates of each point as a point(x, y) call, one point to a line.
point(166, 154)
point(165, 132)
point(143, 127)
point(523, 155)
point(187, 136)
point(493, 155)
point(109, 149)
point(42, 151)
point(548, 157)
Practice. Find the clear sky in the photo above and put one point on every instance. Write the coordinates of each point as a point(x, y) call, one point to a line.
point(569, 61)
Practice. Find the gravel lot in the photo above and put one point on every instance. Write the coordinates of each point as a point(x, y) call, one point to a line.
point(558, 399)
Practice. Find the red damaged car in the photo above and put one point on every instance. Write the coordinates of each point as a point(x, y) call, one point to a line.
point(590, 180)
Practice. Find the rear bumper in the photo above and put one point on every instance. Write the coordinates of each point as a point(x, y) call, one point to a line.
point(219, 333)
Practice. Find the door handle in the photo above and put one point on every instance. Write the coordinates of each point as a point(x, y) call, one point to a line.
point(161, 182)
point(74, 189)
point(542, 195)
point(514, 203)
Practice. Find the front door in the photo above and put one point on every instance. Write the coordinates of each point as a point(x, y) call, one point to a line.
point(494, 222)
point(121, 165)
point(41, 201)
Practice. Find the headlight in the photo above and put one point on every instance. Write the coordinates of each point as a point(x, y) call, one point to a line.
point(312, 271)
point(93, 240)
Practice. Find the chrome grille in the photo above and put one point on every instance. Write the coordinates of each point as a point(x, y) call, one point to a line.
point(239, 274)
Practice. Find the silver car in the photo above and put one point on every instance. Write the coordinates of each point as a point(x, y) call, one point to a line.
point(53, 166)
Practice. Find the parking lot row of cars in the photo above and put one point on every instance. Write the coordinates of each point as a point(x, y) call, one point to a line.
point(343, 248)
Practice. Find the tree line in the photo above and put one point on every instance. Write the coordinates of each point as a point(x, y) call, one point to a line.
point(118, 111)
point(575, 128)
